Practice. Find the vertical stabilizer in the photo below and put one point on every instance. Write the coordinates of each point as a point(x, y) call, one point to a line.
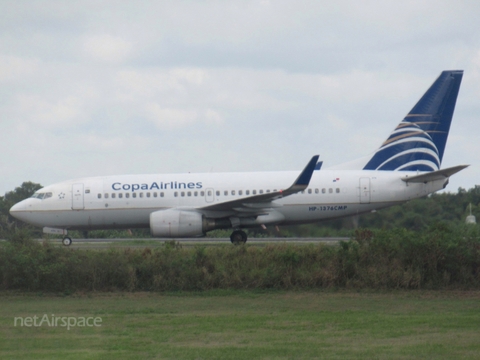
point(418, 142)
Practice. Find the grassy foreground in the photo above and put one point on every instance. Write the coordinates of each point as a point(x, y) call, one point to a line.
point(245, 325)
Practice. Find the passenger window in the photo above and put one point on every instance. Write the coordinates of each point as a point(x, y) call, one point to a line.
point(113, 195)
point(316, 191)
point(175, 194)
point(162, 194)
point(155, 194)
point(202, 193)
point(247, 192)
point(233, 192)
point(87, 191)
point(240, 192)
point(218, 193)
point(134, 195)
point(309, 191)
point(127, 195)
point(106, 196)
point(254, 192)
point(141, 195)
point(330, 190)
point(268, 191)
point(189, 193)
point(148, 195)
point(195, 193)
point(99, 196)
point(209, 193)
point(337, 190)
point(260, 191)
point(120, 195)
point(225, 192)
point(324, 191)
point(183, 193)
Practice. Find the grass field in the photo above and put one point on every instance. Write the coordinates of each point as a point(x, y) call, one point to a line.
point(245, 325)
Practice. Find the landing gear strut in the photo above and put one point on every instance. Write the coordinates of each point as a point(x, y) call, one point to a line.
point(238, 237)
point(66, 241)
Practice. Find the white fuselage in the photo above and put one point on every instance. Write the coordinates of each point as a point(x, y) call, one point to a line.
point(126, 201)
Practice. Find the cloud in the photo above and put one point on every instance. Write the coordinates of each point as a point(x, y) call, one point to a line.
point(168, 117)
point(107, 48)
point(37, 111)
point(141, 86)
point(14, 68)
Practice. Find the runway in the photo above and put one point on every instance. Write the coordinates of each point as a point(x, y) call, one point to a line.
point(154, 242)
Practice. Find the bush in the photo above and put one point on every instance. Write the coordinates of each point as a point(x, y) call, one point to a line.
point(384, 259)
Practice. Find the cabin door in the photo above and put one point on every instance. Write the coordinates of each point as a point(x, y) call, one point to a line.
point(365, 191)
point(77, 197)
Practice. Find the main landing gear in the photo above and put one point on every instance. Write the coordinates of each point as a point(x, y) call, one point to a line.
point(238, 237)
point(67, 241)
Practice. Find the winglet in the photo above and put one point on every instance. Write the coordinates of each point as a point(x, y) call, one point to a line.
point(306, 174)
point(302, 181)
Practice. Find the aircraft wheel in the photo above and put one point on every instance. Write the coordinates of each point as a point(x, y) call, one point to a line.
point(67, 241)
point(238, 237)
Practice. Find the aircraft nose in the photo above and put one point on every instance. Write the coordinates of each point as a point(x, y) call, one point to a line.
point(18, 207)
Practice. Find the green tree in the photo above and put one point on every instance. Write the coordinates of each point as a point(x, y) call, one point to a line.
point(7, 222)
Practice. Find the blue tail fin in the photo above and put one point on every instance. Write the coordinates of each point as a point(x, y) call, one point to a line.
point(418, 142)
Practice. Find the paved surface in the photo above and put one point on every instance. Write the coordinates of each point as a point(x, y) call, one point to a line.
point(143, 242)
point(206, 239)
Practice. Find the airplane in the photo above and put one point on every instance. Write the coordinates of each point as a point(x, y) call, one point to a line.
point(406, 166)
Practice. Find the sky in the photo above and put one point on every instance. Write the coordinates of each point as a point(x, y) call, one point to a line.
point(91, 88)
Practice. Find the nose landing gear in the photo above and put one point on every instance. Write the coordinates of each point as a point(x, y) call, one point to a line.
point(67, 241)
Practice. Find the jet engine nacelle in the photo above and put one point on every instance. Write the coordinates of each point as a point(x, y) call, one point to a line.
point(176, 223)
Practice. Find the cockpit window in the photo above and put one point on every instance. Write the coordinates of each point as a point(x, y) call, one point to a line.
point(42, 196)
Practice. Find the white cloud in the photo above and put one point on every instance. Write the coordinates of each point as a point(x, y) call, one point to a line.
point(107, 48)
point(134, 81)
point(14, 68)
point(213, 117)
point(167, 118)
point(38, 111)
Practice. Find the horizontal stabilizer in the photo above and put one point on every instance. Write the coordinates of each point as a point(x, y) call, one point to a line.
point(434, 175)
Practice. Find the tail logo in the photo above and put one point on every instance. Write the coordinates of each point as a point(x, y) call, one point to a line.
point(408, 147)
point(418, 142)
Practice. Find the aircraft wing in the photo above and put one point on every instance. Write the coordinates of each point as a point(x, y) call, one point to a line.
point(260, 204)
point(434, 175)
